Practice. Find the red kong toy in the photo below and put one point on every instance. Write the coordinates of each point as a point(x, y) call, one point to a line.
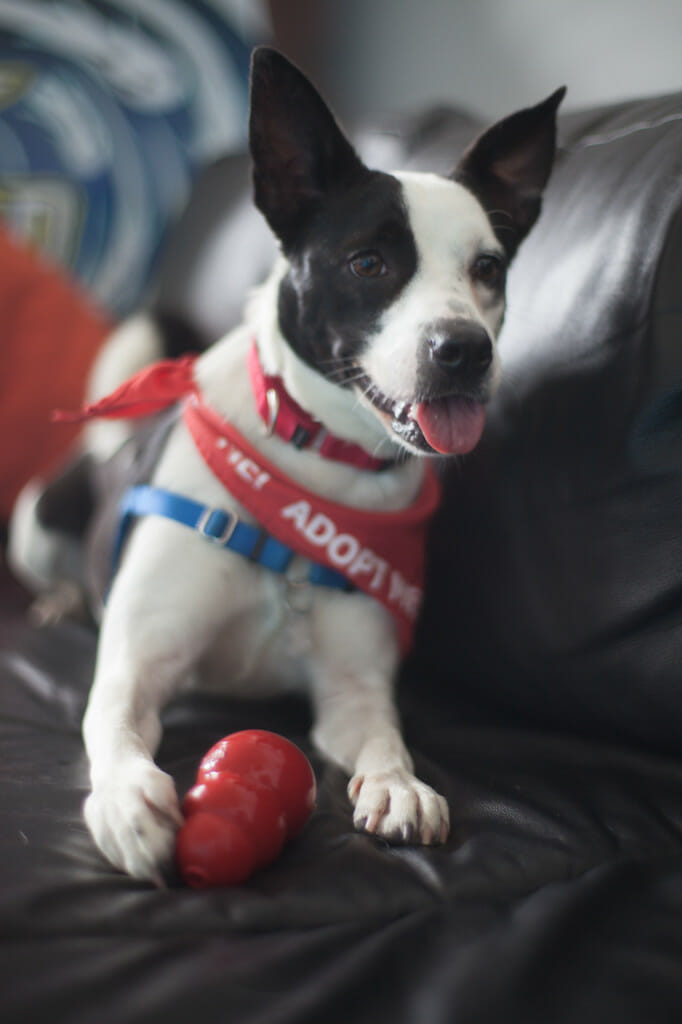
point(254, 791)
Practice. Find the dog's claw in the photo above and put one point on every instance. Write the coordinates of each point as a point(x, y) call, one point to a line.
point(407, 833)
point(354, 787)
point(398, 807)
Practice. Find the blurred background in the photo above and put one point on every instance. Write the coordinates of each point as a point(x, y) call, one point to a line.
point(110, 109)
point(487, 55)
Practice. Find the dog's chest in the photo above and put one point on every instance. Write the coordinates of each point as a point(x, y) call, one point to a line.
point(264, 647)
point(270, 628)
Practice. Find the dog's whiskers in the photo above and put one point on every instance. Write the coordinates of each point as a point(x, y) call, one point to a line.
point(344, 375)
point(336, 360)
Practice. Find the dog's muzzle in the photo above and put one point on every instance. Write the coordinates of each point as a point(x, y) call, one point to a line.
point(461, 352)
point(447, 413)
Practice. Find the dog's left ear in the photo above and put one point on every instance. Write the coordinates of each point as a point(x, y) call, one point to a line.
point(508, 166)
point(299, 152)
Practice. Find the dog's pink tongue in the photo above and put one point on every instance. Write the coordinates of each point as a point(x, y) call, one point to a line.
point(452, 426)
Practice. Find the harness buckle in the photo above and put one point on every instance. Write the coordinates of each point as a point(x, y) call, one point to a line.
point(204, 525)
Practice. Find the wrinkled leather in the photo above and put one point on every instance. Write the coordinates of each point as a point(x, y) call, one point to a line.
point(542, 699)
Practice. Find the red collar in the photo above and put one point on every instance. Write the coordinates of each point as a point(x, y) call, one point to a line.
point(285, 417)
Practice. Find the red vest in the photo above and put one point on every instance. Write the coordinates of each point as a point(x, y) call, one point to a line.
point(380, 553)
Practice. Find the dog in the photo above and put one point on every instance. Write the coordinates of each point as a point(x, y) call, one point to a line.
point(370, 348)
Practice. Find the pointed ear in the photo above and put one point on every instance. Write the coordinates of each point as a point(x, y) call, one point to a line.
point(299, 152)
point(508, 166)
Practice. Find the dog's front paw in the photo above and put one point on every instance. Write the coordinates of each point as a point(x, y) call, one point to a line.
point(398, 807)
point(133, 818)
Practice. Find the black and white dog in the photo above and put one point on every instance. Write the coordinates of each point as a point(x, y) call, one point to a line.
point(378, 327)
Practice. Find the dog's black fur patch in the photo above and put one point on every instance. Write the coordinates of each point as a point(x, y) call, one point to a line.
point(326, 207)
point(326, 312)
point(508, 166)
point(67, 503)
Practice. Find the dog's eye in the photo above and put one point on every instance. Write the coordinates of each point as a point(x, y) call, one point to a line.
point(367, 264)
point(489, 270)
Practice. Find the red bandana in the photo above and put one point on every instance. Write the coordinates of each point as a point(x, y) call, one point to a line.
point(380, 553)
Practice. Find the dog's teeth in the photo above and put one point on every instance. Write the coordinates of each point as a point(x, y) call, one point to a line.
point(401, 411)
point(398, 410)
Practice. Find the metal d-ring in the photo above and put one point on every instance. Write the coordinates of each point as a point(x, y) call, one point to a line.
point(297, 588)
point(272, 399)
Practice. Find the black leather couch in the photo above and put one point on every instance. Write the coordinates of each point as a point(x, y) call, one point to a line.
point(543, 697)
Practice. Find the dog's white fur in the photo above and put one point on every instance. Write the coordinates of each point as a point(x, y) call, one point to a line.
point(451, 229)
point(178, 607)
point(181, 613)
point(179, 610)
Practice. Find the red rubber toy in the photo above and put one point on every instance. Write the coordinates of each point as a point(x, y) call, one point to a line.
point(254, 791)
point(212, 850)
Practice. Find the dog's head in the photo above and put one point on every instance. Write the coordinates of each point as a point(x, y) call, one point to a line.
point(394, 285)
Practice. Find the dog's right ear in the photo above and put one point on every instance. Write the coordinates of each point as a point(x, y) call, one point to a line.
point(299, 152)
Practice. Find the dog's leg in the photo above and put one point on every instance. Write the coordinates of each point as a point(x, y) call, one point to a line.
point(357, 724)
point(166, 606)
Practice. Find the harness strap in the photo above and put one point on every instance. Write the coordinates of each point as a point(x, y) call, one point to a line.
point(222, 528)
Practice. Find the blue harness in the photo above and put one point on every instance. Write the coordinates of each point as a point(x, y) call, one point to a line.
point(224, 529)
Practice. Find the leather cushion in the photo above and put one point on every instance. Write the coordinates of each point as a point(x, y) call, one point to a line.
point(555, 593)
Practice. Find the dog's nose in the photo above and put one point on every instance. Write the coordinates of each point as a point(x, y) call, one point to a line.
point(463, 349)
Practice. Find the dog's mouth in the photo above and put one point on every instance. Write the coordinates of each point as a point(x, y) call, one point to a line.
point(449, 424)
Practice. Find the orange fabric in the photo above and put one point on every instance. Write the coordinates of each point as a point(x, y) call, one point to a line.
point(49, 336)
